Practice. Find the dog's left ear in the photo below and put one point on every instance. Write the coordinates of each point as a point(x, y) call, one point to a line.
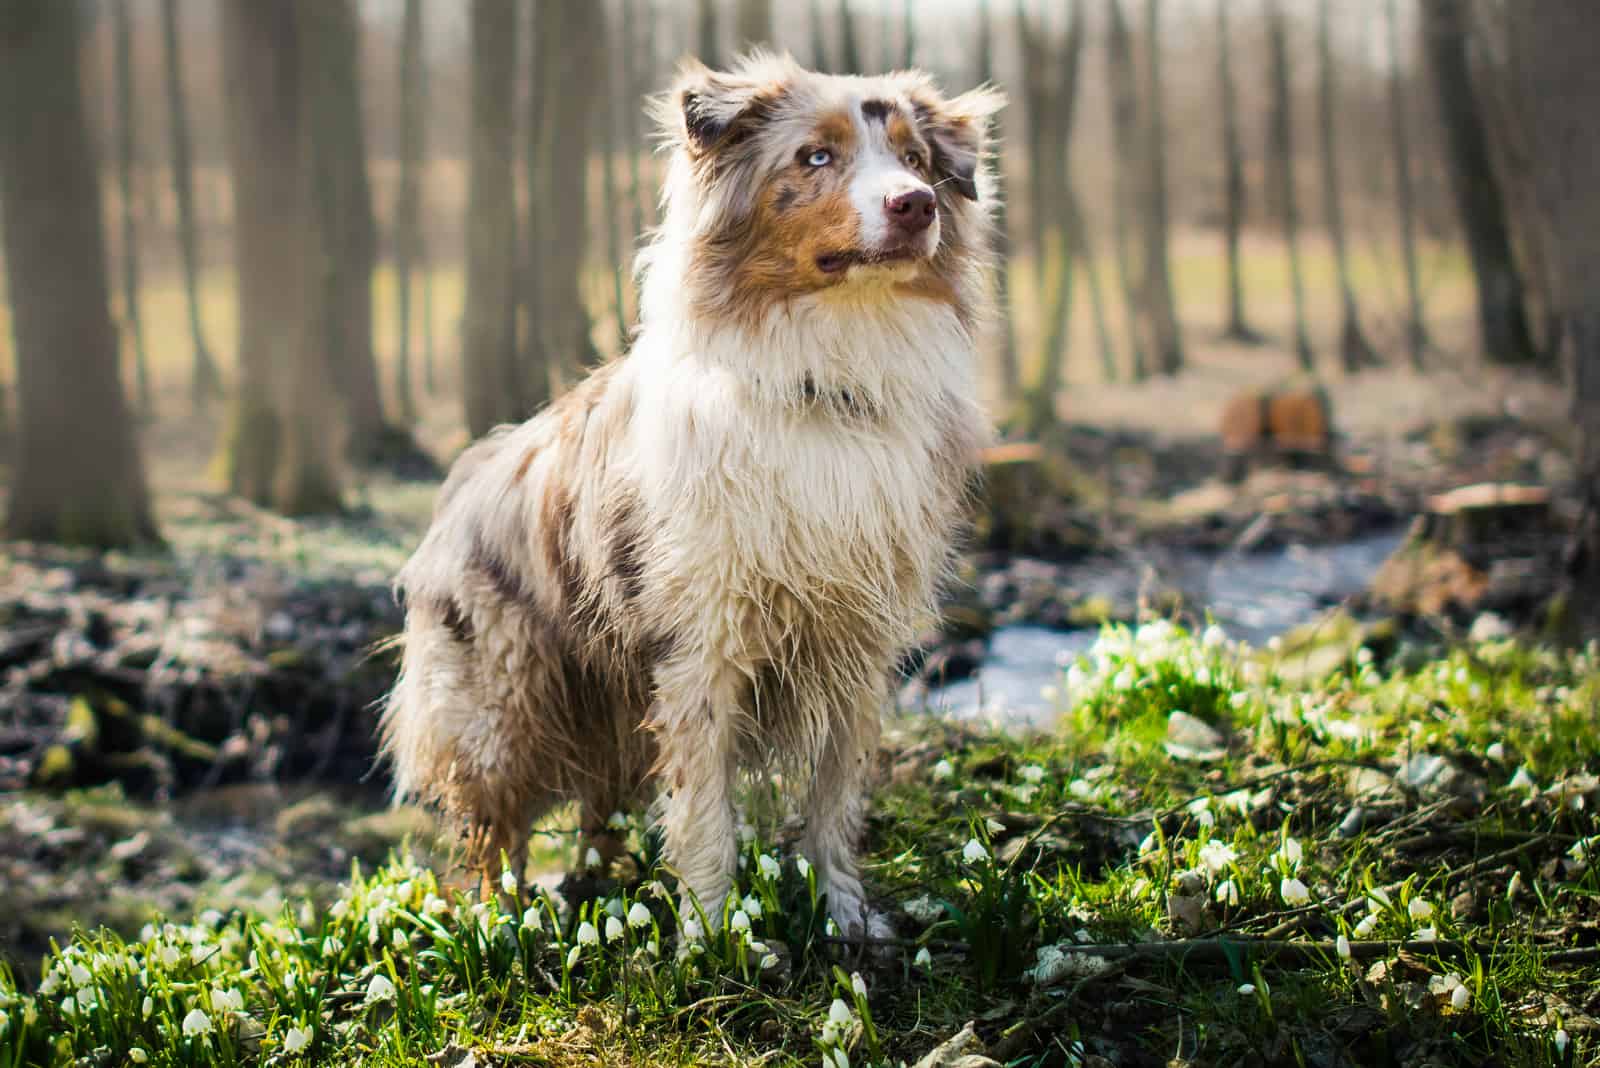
point(710, 111)
point(957, 131)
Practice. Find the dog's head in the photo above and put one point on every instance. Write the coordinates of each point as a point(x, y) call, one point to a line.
point(789, 182)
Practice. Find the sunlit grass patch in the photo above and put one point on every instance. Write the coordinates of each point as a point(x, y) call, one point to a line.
point(1394, 864)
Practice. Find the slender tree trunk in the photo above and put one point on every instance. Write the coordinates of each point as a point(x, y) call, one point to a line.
point(282, 446)
point(127, 137)
point(706, 30)
point(612, 61)
point(408, 208)
point(635, 76)
point(330, 30)
point(1009, 372)
point(1355, 351)
point(849, 47)
point(1160, 306)
point(1077, 225)
point(819, 38)
point(205, 382)
point(76, 476)
point(1282, 141)
point(1399, 128)
point(1238, 328)
point(1131, 176)
point(489, 342)
point(1502, 312)
point(753, 23)
point(1558, 91)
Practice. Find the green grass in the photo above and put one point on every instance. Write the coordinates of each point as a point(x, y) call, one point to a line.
point(1440, 802)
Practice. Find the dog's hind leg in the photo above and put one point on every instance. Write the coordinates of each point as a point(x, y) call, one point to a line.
point(835, 814)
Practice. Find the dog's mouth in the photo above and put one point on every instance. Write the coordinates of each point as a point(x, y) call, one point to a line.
point(837, 262)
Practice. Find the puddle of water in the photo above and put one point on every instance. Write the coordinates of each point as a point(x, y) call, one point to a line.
point(1254, 596)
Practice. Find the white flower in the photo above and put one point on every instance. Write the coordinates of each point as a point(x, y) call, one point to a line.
point(614, 928)
point(740, 920)
point(1460, 998)
point(994, 826)
point(1140, 889)
point(923, 959)
point(379, 989)
point(653, 948)
point(836, 1058)
point(617, 821)
point(752, 905)
point(147, 1006)
point(588, 934)
point(1149, 842)
point(1523, 781)
point(839, 1014)
point(1031, 773)
point(50, 984)
point(1247, 989)
point(296, 1039)
point(1228, 892)
point(80, 975)
point(434, 905)
point(1561, 1039)
point(1419, 909)
point(943, 770)
point(768, 866)
point(803, 866)
point(1294, 892)
point(1291, 852)
point(1214, 637)
point(86, 999)
point(1377, 900)
point(572, 958)
point(769, 961)
point(508, 881)
point(591, 859)
point(1341, 946)
point(974, 851)
point(227, 1000)
point(1216, 855)
point(199, 952)
point(332, 947)
point(138, 1056)
point(858, 984)
point(196, 1023)
point(1425, 934)
point(639, 916)
point(1367, 925)
point(1496, 752)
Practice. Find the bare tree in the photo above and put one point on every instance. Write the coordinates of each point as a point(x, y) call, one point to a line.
point(1234, 190)
point(706, 31)
point(1502, 312)
point(490, 380)
point(753, 23)
point(1355, 351)
point(819, 37)
point(77, 476)
point(205, 382)
point(908, 34)
point(849, 47)
point(1405, 195)
point(612, 62)
point(1281, 152)
point(408, 206)
point(127, 138)
point(1126, 199)
point(1557, 90)
point(1009, 373)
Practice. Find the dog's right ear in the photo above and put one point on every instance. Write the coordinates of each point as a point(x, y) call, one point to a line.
point(708, 111)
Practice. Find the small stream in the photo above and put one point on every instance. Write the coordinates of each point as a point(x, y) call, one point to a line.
point(1254, 596)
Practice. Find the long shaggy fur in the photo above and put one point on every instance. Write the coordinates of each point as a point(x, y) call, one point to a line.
point(709, 555)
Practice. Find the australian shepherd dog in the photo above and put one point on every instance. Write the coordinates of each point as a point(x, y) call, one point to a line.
point(708, 557)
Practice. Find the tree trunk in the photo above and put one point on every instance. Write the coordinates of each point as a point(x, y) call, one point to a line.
point(1399, 128)
point(1502, 311)
point(1238, 329)
point(706, 30)
point(819, 38)
point(76, 475)
point(753, 23)
point(1282, 153)
point(1355, 351)
point(282, 446)
point(908, 34)
point(1552, 58)
point(1159, 310)
point(343, 196)
point(408, 207)
point(1010, 374)
point(613, 60)
point(489, 339)
point(132, 324)
point(849, 47)
point(562, 209)
point(205, 381)
point(1131, 175)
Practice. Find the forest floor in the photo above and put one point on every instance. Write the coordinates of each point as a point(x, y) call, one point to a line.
point(1201, 862)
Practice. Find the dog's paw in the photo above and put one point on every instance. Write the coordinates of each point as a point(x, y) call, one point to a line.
point(870, 929)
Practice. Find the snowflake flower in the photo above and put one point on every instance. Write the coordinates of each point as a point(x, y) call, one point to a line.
point(196, 1023)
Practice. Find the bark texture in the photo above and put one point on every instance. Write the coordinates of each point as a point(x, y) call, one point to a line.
point(76, 476)
point(408, 206)
point(1281, 152)
point(1355, 351)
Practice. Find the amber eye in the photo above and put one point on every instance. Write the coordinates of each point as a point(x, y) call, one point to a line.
point(819, 157)
point(914, 160)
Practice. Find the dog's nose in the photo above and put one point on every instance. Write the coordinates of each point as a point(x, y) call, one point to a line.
point(910, 212)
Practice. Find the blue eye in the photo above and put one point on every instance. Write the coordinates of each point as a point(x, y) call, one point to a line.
point(820, 158)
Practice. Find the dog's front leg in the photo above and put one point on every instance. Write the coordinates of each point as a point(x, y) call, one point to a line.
point(835, 814)
point(694, 721)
